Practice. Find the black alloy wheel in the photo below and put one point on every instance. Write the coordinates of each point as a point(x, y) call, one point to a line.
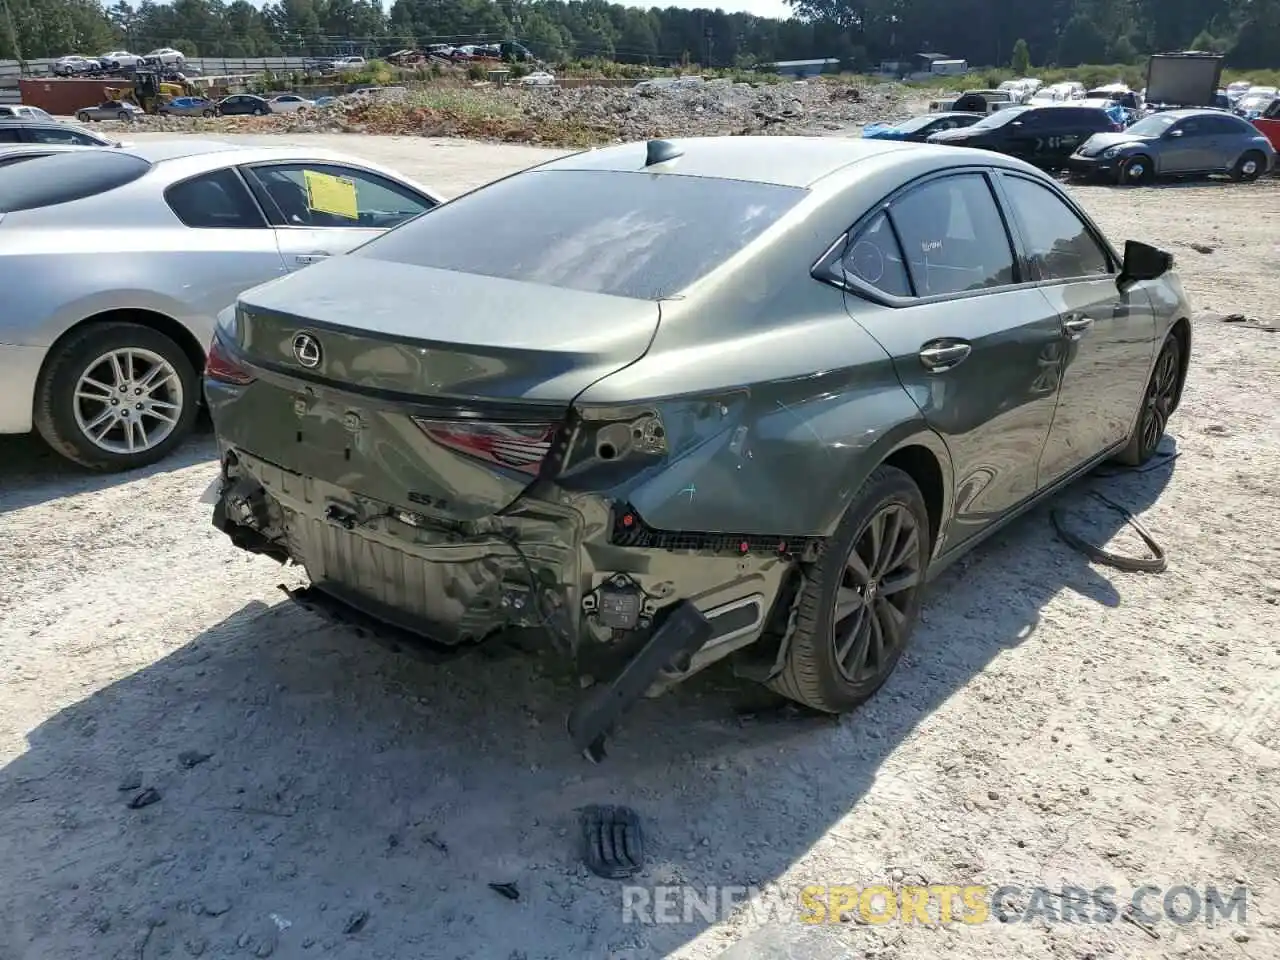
point(860, 598)
point(1158, 404)
point(1162, 394)
point(873, 601)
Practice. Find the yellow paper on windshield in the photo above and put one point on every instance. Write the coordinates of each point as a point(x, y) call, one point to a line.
point(329, 194)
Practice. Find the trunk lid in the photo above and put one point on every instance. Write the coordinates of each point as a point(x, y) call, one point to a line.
point(434, 390)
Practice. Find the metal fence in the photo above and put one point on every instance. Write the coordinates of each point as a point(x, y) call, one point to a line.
point(210, 66)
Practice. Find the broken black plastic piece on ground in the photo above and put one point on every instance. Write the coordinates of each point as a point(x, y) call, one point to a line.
point(508, 890)
point(593, 719)
point(612, 841)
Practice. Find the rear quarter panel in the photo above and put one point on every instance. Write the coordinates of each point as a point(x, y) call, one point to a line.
point(773, 431)
point(59, 277)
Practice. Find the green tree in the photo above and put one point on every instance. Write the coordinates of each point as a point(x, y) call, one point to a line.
point(1020, 63)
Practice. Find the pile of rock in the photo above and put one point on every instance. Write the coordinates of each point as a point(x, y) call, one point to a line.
point(579, 116)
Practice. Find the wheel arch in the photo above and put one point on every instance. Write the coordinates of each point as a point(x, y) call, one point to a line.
point(159, 322)
point(1181, 331)
point(921, 454)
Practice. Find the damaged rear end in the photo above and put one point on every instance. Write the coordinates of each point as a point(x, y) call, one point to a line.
point(401, 462)
point(414, 435)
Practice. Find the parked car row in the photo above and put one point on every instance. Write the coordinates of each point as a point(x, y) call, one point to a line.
point(117, 61)
point(238, 104)
point(1087, 139)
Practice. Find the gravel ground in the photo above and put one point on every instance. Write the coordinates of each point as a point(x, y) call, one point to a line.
point(1056, 723)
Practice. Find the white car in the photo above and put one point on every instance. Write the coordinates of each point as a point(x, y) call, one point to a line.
point(349, 64)
point(289, 103)
point(20, 111)
point(214, 219)
point(74, 64)
point(120, 60)
point(539, 78)
point(167, 56)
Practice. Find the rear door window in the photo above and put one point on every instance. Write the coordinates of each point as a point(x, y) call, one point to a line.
point(953, 236)
point(11, 135)
point(627, 234)
point(217, 200)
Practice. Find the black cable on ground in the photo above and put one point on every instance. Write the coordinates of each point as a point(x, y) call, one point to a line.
point(1156, 563)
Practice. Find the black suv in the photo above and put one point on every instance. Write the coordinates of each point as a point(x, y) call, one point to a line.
point(1045, 136)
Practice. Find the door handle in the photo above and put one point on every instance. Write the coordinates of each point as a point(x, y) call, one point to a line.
point(1075, 324)
point(310, 257)
point(941, 357)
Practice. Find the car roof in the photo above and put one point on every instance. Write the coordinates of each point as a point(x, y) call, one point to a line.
point(1184, 112)
point(784, 161)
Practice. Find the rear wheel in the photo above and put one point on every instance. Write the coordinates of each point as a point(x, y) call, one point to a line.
point(861, 599)
point(1157, 405)
point(1136, 170)
point(260, 112)
point(116, 396)
point(207, 113)
point(84, 117)
point(1249, 167)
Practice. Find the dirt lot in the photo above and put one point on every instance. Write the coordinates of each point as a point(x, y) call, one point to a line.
point(1056, 723)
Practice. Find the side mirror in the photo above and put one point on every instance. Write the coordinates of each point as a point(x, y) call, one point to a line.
point(1142, 262)
point(1176, 133)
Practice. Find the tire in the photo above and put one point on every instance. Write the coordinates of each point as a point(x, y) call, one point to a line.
point(1159, 401)
point(84, 118)
point(123, 115)
point(812, 674)
point(1249, 167)
point(207, 113)
point(259, 112)
point(1136, 171)
point(64, 411)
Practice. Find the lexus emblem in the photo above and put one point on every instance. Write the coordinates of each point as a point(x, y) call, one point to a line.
point(306, 349)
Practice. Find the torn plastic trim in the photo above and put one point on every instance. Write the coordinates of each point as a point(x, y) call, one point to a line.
point(629, 530)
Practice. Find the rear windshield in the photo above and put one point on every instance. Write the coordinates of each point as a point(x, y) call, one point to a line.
point(636, 235)
point(65, 177)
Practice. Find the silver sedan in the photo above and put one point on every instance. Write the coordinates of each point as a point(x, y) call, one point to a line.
point(116, 263)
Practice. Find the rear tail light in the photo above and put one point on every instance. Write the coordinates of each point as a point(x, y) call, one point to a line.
point(223, 367)
point(516, 446)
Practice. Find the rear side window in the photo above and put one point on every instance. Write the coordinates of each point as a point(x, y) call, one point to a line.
point(1228, 126)
point(214, 200)
point(67, 177)
point(953, 236)
point(625, 234)
point(11, 135)
point(62, 135)
point(875, 259)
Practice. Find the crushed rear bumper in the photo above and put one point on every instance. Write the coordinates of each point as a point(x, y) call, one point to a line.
point(586, 574)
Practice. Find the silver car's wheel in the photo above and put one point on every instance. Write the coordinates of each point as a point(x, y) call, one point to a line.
point(1249, 167)
point(128, 401)
point(117, 395)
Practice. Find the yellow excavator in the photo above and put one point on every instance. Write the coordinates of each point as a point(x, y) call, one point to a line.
point(148, 91)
